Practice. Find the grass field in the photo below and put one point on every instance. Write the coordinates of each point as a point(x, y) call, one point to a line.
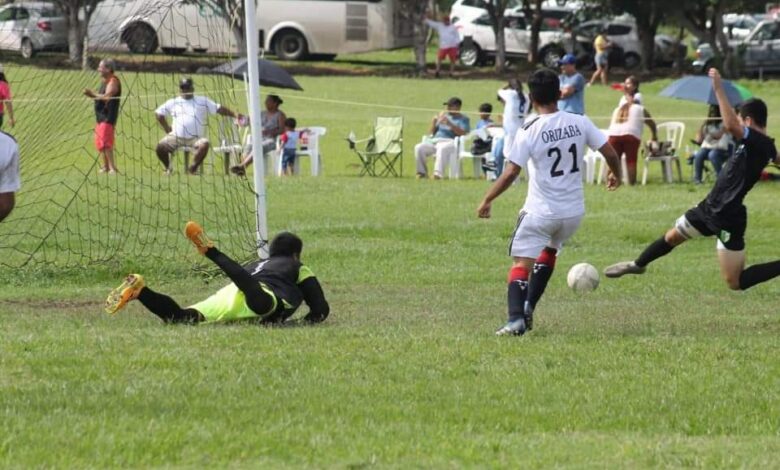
point(665, 370)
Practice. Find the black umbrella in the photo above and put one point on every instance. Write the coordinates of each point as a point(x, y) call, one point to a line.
point(270, 73)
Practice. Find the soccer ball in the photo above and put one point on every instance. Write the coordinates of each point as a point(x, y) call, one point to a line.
point(583, 277)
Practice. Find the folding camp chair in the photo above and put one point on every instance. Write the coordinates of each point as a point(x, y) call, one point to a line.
point(383, 150)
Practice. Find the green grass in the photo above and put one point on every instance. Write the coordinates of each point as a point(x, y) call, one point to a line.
point(665, 370)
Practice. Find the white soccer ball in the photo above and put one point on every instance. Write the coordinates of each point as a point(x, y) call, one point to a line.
point(583, 277)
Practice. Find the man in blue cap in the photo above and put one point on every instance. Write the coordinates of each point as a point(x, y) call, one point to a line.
point(572, 86)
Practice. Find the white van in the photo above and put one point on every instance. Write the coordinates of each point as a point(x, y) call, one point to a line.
point(290, 29)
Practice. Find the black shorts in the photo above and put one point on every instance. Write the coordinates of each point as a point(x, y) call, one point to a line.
point(730, 230)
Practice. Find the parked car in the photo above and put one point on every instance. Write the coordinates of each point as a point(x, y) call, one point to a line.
point(467, 11)
point(32, 27)
point(479, 42)
point(758, 52)
point(737, 26)
point(623, 32)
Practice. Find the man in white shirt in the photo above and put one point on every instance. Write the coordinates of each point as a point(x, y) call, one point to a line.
point(449, 42)
point(552, 147)
point(190, 114)
point(9, 174)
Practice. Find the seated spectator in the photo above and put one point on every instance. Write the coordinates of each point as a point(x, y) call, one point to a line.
point(625, 132)
point(714, 142)
point(444, 128)
point(630, 88)
point(272, 122)
point(190, 114)
point(485, 109)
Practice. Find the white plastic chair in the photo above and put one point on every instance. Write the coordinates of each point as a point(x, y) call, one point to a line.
point(596, 166)
point(463, 152)
point(231, 140)
point(670, 132)
point(308, 146)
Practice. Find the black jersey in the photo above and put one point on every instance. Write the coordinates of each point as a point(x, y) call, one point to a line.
point(293, 283)
point(108, 110)
point(754, 151)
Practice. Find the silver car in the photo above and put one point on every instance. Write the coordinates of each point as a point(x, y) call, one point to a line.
point(758, 52)
point(32, 27)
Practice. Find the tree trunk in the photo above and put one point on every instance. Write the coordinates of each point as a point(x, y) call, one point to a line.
point(498, 30)
point(75, 36)
point(646, 29)
point(420, 41)
point(536, 26)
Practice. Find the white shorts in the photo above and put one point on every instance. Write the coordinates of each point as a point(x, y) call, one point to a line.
point(9, 172)
point(533, 233)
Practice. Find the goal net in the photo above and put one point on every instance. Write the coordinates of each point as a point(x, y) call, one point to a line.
point(68, 213)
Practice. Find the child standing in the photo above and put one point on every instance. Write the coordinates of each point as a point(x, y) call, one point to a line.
point(289, 145)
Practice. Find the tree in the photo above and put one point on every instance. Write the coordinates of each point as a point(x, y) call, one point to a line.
point(77, 25)
point(649, 14)
point(495, 9)
point(415, 11)
point(532, 9)
point(704, 19)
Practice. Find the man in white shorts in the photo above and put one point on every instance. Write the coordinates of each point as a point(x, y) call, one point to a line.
point(9, 174)
point(552, 147)
point(190, 114)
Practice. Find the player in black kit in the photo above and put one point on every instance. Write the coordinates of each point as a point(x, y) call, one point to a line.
point(722, 212)
point(269, 290)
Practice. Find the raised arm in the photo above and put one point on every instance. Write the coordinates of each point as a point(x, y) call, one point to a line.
point(315, 299)
point(730, 121)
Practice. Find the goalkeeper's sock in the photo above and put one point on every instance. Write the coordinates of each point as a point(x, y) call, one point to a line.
point(654, 251)
point(517, 291)
point(543, 269)
point(758, 273)
point(166, 308)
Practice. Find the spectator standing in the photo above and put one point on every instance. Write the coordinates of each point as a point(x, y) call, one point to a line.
point(449, 43)
point(445, 126)
point(107, 100)
point(602, 46)
point(516, 106)
point(9, 174)
point(6, 106)
point(272, 123)
point(572, 86)
point(714, 141)
point(625, 132)
point(190, 114)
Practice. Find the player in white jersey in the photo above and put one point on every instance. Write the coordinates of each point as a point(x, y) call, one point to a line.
point(9, 174)
point(551, 147)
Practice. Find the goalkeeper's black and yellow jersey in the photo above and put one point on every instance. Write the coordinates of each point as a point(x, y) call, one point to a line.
point(288, 280)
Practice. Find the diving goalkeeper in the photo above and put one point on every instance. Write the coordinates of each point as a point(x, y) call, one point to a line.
point(268, 290)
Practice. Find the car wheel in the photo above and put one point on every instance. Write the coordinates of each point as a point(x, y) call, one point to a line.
point(27, 49)
point(141, 39)
point(631, 61)
point(550, 56)
point(290, 45)
point(471, 55)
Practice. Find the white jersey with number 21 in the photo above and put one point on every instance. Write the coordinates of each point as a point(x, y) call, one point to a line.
point(551, 148)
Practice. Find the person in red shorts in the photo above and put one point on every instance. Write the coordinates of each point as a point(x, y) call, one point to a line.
point(107, 100)
point(449, 42)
